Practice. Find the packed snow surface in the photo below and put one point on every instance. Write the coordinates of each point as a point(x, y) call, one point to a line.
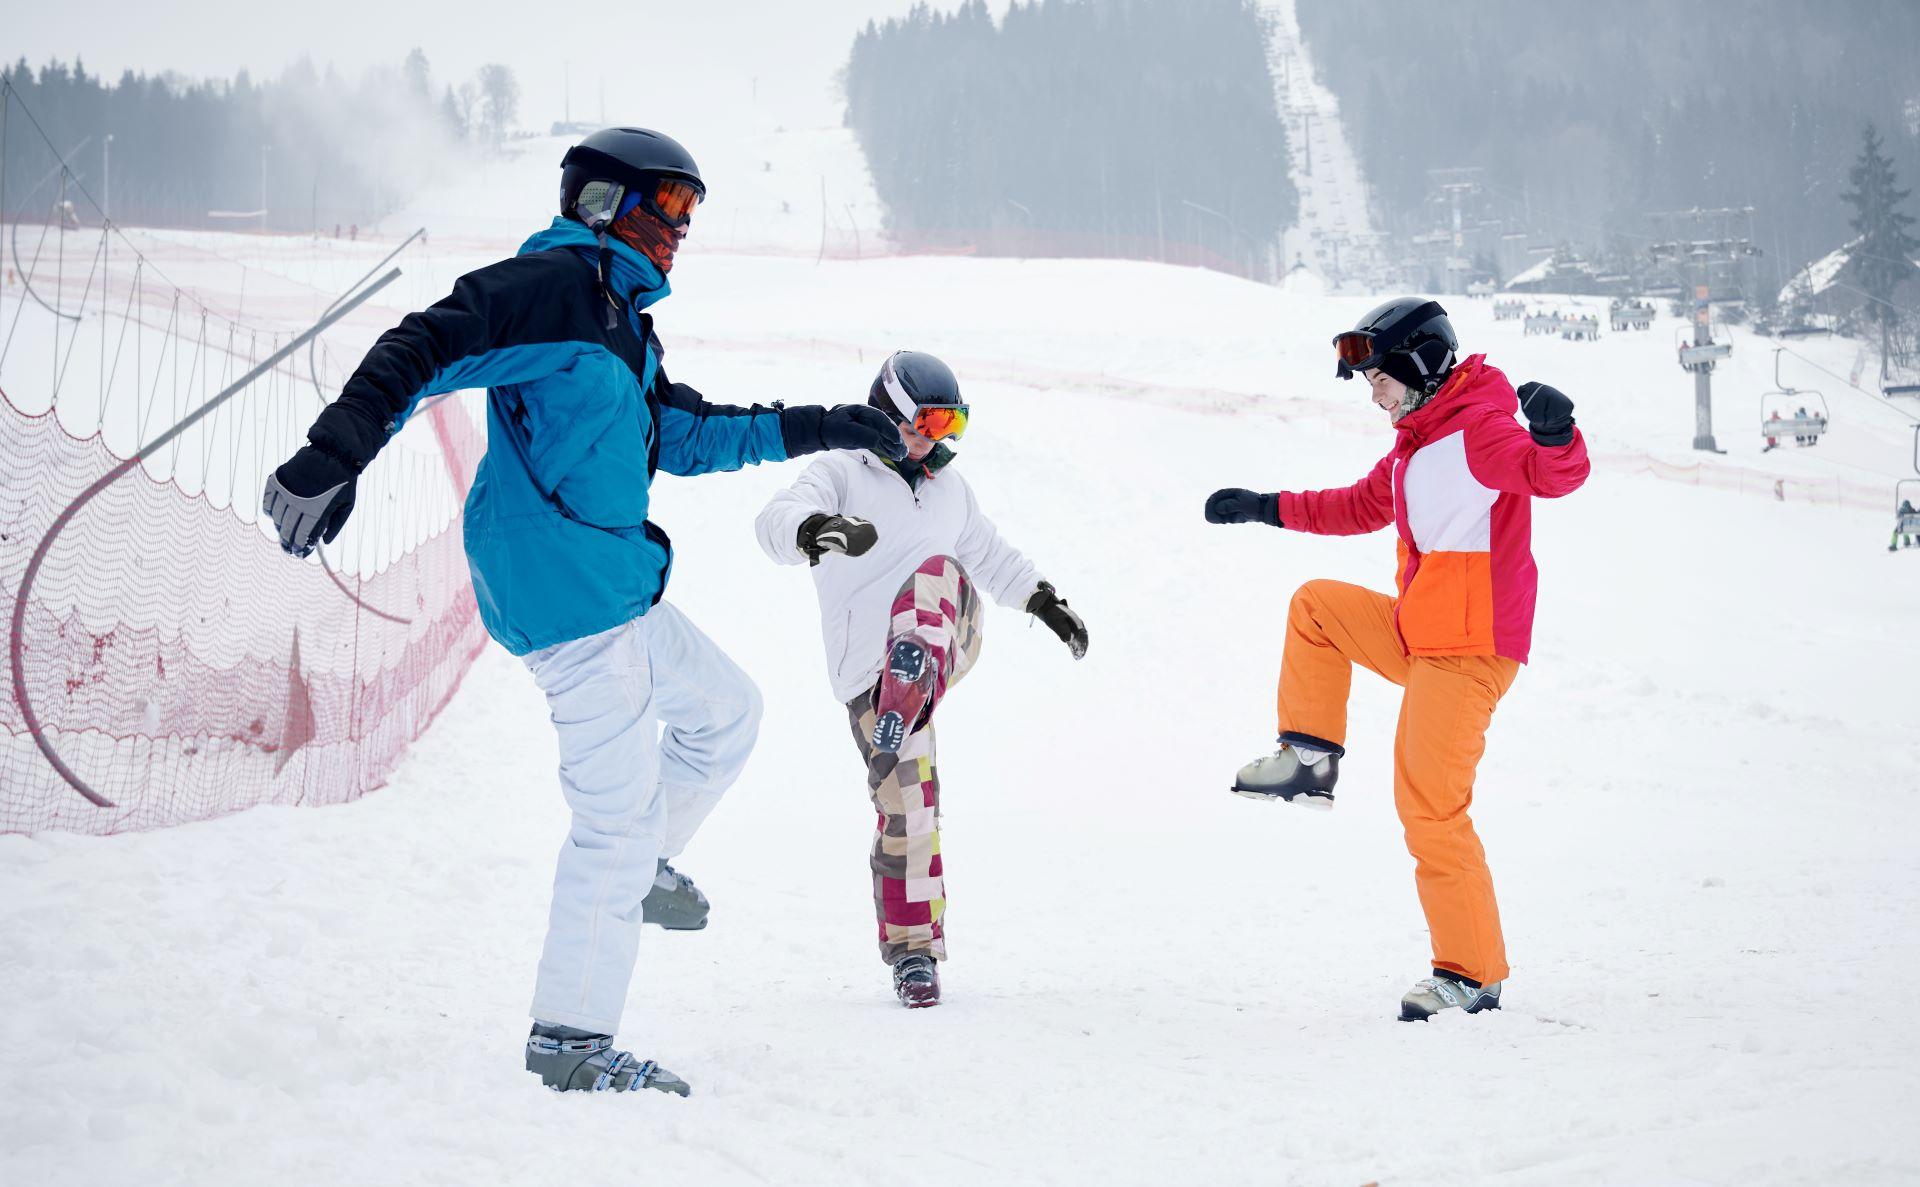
point(1699, 802)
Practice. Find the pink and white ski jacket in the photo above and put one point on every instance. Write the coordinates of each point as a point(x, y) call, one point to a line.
point(1458, 486)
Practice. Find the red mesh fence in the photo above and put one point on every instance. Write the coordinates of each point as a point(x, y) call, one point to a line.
point(1820, 490)
point(183, 667)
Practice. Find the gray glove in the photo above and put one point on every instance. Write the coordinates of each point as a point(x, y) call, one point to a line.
point(305, 520)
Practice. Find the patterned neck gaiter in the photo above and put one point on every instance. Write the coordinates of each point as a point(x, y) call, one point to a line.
point(649, 236)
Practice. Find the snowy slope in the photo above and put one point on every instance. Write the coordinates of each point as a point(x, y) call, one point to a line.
point(770, 188)
point(1698, 803)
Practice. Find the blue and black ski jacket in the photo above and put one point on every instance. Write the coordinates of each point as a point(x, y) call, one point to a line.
point(579, 417)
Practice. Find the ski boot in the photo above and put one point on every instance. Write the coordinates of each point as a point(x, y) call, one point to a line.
point(916, 981)
point(674, 903)
point(1447, 991)
point(905, 688)
point(1294, 773)
point(568, 1059)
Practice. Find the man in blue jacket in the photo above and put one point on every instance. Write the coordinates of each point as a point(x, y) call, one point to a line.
point(568, 570)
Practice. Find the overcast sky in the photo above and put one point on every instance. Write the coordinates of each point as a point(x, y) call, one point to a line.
point(658, 60)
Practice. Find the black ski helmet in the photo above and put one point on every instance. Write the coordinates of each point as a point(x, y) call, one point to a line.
point(1410, 338)
point(634, 159)
point(909, 380)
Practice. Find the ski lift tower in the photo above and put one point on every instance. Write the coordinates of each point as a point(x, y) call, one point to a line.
point(1449, 189)
point(1695, 258)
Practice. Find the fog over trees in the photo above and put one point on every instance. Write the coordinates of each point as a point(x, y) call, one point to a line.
point(1143, 128)
point(311, 147)
point(1587, 117)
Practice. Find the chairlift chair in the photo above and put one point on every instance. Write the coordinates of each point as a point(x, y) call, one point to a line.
point(1906, 505)
point(1626, 314)
point(1805, 424)
point(1698, 358)
point(1582, 327)
point(1906, 515)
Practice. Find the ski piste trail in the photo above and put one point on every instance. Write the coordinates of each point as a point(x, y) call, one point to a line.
point(1697, 801)
point(1335, 239)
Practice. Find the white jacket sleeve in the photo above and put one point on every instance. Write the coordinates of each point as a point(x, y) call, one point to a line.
point(995, 565)
point(821, 488)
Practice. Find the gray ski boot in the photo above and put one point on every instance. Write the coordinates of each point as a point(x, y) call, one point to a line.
point(568, 1059)
point(916, 981)
point(674, 903)
point(1447, 991)
point(1295, 773)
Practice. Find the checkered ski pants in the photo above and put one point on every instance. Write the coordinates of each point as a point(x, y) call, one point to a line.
point(939, 605)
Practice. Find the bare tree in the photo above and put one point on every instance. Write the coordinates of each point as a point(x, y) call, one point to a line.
point(500, 97)
point(468, 100)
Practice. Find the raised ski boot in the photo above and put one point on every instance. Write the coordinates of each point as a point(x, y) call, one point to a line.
point(916, 981)
point(674, 903)
point(1447, 991)
point(568, 1059)
point(1294, 773)
point(905, 688)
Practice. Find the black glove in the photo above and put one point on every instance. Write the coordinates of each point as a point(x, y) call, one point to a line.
point(309, 499)
point(1234, 505)
point(1050, 608)
point(844, 534)
point(847, 426)
point(1549, 413)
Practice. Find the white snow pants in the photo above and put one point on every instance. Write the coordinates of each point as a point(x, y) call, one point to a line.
point(637, 794)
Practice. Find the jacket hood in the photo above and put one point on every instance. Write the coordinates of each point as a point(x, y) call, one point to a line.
point(1475, 386)
point(633, 276)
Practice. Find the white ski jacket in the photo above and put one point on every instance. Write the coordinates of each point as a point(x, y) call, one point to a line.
point(942, 518)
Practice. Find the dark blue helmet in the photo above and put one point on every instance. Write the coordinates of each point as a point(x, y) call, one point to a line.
point(1410, 338)
point(634, 159)
point(909, 380)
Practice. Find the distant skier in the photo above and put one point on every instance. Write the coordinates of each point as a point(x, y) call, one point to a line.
point(1458, 485)
point(906, 549)
point(567, 568)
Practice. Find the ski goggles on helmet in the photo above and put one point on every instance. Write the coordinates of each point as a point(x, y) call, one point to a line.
point(669, 199)
point(673, 201)
point(937, 422)
point(1364, 350)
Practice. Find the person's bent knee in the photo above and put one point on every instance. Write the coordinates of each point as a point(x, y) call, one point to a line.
point(734, 703)
point(753, 707)
point(1309, 597)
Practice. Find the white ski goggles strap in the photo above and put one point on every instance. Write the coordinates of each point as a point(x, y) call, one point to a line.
point(897, 391)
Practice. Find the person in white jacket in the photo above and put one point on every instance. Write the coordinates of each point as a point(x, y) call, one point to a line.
point(905, 547)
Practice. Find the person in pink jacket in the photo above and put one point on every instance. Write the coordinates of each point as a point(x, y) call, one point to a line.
point(1458, 490)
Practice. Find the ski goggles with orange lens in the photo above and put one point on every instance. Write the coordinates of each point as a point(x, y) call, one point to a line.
point(674, 200)
point(1356, 351)
point(1363, 350)
point(937, 422)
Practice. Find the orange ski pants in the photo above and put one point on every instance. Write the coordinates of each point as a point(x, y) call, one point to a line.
point(1443, 724)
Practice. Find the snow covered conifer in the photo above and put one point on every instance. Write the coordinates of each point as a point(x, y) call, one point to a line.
point(1883, 259)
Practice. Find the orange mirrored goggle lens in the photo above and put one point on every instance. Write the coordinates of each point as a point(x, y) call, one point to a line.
point(675, 200)
point(938, 422)
point(1355, 348)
